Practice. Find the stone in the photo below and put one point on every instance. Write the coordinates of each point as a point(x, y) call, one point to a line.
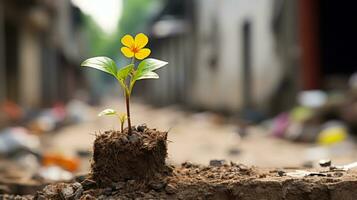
point(170, 189)
point(67, 192)
point(141, 127)
point(88, 184)
point(217, 163)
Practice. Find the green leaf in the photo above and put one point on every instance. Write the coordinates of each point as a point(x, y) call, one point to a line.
point(125, 71)
point(146, 67)
point(151, 64)
point(148, 75)
point(101, 63)
point(107, 112)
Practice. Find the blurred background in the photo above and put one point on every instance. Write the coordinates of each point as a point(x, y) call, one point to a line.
point(271, 83)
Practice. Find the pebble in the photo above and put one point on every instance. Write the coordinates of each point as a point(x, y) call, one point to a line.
point(133, 138)
point(79, 191)
point(87, 197)
point(186, 164)
point(281, 173)
point(40, 197)
point(217, 163)
point(124, 140)
point(67, 192)
point(210, 176)
point(88, 184)
point(141, 127)
point(170, 189)
point(338, 174)
point(76, 185)
point(325, 163)
point(157, 185)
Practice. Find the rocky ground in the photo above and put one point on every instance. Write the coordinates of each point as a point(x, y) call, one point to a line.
point(227, 181)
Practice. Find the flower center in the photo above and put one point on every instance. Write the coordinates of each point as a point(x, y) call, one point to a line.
point(134, 49)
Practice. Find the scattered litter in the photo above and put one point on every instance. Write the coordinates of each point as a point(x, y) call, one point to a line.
point(15, 138)
point(344, 167)
point(49, 119)
point(67, 163)
point(12, 110)
point(336, 169)
point(280, 125)
point(54, 173)
point(303, 173)
point(301, 113)
point(332, 132)
point(28, 161)
point(312, 98)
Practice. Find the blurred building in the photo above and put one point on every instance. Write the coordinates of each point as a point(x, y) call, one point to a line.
point(39, 51)
point(234, 55)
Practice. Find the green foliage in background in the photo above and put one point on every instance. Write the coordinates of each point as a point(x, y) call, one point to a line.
point(135, 16)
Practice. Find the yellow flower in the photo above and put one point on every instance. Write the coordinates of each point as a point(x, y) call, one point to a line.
point(135, 47)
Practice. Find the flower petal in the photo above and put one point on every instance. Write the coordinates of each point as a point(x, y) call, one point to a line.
point(127, 52)
point(141, 40)
point(128, 41)
point(143, 53)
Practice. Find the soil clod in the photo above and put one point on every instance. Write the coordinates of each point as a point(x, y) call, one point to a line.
point(119, 156)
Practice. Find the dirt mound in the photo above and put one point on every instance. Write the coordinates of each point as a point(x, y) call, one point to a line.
point(121, 156)
point(232, 181)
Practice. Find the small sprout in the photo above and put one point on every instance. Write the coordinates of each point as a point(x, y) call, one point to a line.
point(110, 112)
point(122, 118)
point(128, 75)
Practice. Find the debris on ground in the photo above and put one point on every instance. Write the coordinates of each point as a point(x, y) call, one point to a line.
point(191, 181)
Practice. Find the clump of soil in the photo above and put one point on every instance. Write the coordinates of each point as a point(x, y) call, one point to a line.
point(119, 156)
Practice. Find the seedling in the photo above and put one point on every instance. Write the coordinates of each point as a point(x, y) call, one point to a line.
point(128, 75)
point(110, 112)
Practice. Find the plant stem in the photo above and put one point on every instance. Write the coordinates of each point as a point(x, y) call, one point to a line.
point(121, 126)
point(127, 101)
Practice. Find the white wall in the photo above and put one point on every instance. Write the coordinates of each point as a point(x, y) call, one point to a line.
point(221, 88)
